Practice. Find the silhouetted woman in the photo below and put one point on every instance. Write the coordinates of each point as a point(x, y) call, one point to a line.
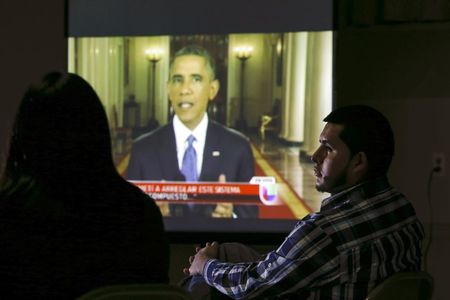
point(68, 222)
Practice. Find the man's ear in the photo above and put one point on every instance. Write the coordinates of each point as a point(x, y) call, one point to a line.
point(213, 89)
point(360, 165)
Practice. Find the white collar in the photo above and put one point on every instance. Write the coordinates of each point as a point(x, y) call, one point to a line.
point(181, 135)
point(182, 132)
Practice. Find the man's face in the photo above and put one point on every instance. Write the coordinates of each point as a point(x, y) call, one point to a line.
point(332, 160)
point(190, 87)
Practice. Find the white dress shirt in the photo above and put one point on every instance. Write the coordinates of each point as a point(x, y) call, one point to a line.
point(181, 135)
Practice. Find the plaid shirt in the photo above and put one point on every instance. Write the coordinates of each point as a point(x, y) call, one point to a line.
point(360, 236)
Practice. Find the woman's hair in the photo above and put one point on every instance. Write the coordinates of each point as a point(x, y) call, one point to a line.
point(366, 130)
point(61, 129)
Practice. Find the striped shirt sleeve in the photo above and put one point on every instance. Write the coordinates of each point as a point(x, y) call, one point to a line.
point(306, 256)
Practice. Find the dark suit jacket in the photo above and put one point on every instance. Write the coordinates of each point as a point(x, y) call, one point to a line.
point(154, 157)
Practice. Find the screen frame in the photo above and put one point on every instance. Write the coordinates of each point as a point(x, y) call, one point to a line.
point(97, 18)
point(173, 17)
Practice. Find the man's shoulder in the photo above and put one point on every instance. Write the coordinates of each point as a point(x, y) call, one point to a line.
point(156, 134)
point(227, 132)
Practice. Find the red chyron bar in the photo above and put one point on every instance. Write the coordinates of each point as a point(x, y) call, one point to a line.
point(209, 192)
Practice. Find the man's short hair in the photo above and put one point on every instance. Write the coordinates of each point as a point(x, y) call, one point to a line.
point(198, 51)
point(366, 130)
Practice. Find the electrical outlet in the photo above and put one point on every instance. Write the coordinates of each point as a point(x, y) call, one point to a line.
point(438, 164)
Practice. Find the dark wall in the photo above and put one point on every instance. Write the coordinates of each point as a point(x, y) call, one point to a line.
point(403, 69)
point(405, 72)
point(32, 42)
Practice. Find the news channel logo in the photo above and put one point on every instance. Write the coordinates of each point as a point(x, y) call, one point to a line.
point(268, 194)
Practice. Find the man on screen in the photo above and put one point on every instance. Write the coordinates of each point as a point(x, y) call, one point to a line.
point(365, 231)
point(193, 147)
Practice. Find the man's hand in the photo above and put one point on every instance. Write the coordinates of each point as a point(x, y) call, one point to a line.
point(223, 209)
point(164, 208)
point(210, 251)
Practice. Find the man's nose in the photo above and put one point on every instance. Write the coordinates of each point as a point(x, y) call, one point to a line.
point(186, 87)
point(316, 156)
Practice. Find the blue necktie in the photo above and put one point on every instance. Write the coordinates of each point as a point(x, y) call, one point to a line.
point(189, 166)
